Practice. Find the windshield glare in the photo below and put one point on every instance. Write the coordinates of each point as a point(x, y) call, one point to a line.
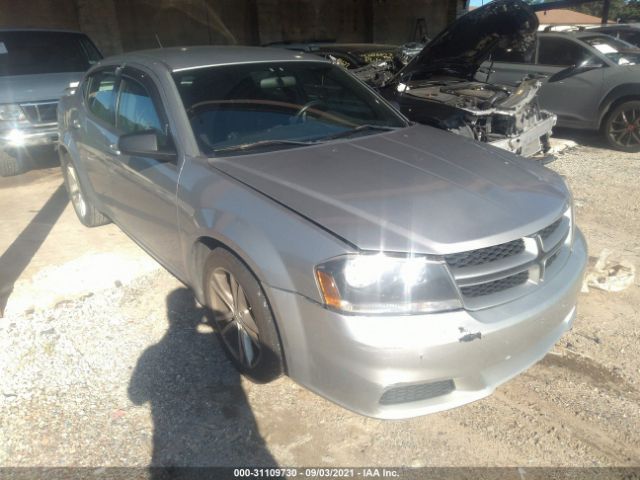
point(271, 103)
point(36, 52)
point(618, 51)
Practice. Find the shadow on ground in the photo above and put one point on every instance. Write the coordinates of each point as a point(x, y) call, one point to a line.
point(200, 413)
point(587, 138)
point(16, 258)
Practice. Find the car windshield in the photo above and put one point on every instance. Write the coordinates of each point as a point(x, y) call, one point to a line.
point(618, 51)
point(37, 52)
point(234, 108)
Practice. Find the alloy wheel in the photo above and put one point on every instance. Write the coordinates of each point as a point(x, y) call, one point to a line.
point(624, 129)
point(75, 192)
point(234, 318)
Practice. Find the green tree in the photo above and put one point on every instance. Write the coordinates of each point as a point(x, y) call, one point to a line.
point(620, 10)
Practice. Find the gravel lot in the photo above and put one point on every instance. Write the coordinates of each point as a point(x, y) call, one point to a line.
point(131, 375)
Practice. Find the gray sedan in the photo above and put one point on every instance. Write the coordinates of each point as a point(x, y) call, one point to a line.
point(395, 269)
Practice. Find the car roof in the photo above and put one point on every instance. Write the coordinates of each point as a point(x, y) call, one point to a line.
point(618, 26)
point(48, 30)
point(186, 58)
point(574, 33)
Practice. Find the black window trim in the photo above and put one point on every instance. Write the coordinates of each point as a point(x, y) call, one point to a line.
point(143, 79)
point(89, 79)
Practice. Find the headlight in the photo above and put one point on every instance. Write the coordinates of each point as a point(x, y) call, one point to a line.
point(11, 113)
point(568, 214)
point(376, 283)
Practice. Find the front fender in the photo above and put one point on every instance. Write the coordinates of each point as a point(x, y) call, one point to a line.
point(279, 246)
point(628, 90)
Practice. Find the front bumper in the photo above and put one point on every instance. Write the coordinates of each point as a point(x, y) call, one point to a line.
point(21, 137)
point(355, 360)
point(532, 141)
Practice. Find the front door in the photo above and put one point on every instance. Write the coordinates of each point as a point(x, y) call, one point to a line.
point(144, 189)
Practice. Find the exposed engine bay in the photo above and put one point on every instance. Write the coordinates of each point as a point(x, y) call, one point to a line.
point(494, 111)
point(506, 116)
point(439, 86)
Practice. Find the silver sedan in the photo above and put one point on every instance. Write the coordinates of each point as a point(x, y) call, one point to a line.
point(393, 268)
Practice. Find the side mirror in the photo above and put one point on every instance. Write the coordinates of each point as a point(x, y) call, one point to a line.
point(574, 70)
point(145, 144)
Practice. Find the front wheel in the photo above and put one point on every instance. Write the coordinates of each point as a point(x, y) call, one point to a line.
point(242, 317)
point(622, 127)
point(10, 165)
point(86, 212)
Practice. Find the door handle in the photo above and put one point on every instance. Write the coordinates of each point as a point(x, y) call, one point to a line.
point(113, 148)
point(75, 123)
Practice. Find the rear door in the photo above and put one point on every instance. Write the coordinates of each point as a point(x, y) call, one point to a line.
point(143, 188)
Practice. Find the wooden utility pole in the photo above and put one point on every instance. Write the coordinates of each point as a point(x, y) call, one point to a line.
point(605, 11)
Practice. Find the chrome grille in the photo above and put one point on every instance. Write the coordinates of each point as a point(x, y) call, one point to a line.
point(552, 259)
point(415, 393)
point(492, 275)
point(485, 255)
point(548, 231)
point(42, 112)
point(495, 286)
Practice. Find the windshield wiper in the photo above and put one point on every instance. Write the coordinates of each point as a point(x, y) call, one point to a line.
point(359, 128)
point(262, 143)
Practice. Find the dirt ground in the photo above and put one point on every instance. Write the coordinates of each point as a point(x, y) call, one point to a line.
point(120, 373)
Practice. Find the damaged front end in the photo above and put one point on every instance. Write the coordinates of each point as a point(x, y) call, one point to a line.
point(507, 117)
point(439, 88)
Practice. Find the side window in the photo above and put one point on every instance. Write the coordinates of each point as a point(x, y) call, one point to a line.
point(136, 111)
point(561, 52)
point(101, 96)
point(511, 56)
point(631, 37)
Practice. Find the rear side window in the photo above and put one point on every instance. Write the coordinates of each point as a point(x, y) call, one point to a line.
point(561, 52)
point(136, 110)
point(101, 96)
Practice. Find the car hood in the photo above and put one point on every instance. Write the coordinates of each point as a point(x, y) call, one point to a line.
point(35, 88)
point(460, 49)
point(416, 189)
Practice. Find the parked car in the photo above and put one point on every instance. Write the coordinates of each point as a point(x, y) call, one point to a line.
point(36, 66)
point(593, 82)
point(630, 33)
point(438, 88)
point(393, 268)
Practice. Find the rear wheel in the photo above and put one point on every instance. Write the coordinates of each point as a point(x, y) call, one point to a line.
point(622, 127)
point(10, 165)
point(242, 316)
point(86, 212)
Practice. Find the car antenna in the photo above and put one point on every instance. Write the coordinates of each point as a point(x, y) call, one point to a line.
point(158, 40)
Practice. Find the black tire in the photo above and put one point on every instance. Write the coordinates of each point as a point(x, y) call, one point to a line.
point(621, 128)
point(267, 363)
point(10, 165)
point(87, 213)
